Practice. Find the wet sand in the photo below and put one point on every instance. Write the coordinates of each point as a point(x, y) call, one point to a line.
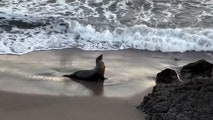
point(32, 87)
point(37, 107)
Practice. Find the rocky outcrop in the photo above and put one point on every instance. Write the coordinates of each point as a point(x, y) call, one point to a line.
point(167, 76)
point(200, 68)
point(190, 99)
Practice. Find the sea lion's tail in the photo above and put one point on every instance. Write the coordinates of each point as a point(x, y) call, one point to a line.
point(66, 76)
point(69, 76)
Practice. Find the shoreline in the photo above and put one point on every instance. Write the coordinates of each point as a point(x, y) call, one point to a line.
point(36, 76)
point(127, 49)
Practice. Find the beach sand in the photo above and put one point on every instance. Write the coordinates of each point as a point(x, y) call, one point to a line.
point(32, 87)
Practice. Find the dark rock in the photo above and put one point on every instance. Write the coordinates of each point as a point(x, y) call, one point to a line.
point(187, 100)
point(167, 76)
point(200, 68)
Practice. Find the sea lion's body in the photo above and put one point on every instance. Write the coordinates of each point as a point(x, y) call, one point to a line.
point(93, 75)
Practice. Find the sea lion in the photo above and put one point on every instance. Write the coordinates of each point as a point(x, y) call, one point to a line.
point(94, 75)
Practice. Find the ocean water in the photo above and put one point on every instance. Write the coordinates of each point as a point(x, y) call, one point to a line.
point(165, 25)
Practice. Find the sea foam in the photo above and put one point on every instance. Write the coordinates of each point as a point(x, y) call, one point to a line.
point(72, 34)
point(168, 26)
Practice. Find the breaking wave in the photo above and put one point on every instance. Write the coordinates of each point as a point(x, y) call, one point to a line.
point(30, 25)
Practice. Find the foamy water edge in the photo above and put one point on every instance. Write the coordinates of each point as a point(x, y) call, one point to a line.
point(72, 34)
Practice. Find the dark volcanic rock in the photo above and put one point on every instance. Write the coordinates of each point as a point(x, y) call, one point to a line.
point(187, 100)
point(167, 76)
point(200, 68)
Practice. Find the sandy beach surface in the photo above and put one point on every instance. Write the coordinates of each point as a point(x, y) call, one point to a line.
point(32, 87)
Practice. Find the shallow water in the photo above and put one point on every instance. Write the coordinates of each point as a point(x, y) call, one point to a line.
point(129, 72)
point(31, 85)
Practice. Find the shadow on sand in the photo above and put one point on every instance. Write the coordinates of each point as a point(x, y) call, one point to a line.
point(97, 88)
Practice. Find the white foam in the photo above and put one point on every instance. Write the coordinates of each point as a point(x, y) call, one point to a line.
point(57, 36)
point(91, 37)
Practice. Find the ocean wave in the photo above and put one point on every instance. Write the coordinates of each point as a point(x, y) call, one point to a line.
point(153, 13)
point(71, 34)
point(168, 26)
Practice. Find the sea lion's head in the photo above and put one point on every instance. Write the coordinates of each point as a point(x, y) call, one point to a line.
point(100, 67)
point(99, 59)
